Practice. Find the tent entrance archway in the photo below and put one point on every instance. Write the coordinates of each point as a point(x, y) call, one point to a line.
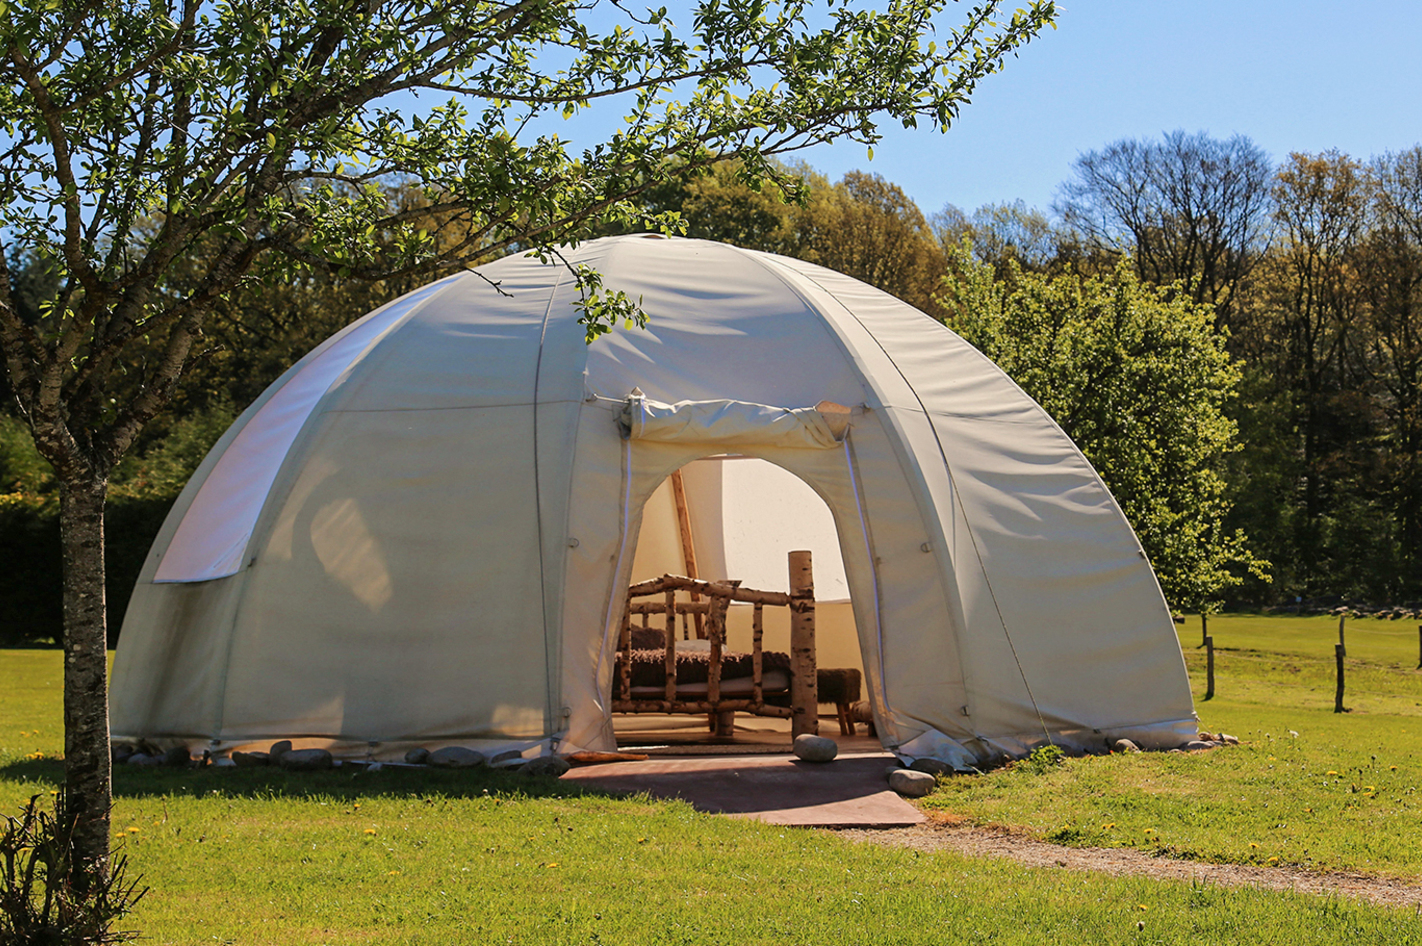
point(733, 517)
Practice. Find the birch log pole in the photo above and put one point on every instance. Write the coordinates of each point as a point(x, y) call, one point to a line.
point(804, 679)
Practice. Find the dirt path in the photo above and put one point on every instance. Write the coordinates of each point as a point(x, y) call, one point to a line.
point(1126, 861)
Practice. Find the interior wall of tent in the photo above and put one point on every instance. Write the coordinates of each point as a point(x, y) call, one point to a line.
point(746, 515)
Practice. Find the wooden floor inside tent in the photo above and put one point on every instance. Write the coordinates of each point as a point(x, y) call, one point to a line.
point(666, 734)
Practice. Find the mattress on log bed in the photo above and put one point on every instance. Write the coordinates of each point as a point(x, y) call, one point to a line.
point(649, 673)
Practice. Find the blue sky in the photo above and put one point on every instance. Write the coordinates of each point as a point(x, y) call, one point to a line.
point(1305, 75)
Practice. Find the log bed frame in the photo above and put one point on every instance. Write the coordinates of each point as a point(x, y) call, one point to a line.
point(710, 624)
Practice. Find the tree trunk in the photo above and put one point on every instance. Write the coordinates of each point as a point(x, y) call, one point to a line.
point(86, 697)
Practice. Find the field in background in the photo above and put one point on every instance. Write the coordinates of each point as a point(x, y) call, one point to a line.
point(260, 856)
point(1308, 787)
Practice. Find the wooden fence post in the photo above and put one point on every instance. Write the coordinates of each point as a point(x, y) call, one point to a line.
point(1341, 619)
point(1209, 668)
point(804, 678)
point(1419, 647)
point(1204, 629)
point(1338, 697)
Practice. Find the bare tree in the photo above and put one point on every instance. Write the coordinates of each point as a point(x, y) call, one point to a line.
point(1187, 207)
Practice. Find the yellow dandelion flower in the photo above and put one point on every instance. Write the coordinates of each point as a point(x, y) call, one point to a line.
point(369, 830)
point(551, 864)
point(391, 873)
point(134, 830)
point(1392, 768)
point(1142, 907)
point(1274, 859)
point(1150, 831)
point(1108, 826)
point(1253, 845)
point(1331, 772)
point(1308, 809)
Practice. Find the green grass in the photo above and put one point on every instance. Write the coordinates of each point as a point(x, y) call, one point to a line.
point(262, 856)
point(1307, 787)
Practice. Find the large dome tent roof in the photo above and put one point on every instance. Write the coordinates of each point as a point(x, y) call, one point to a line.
point(417, 533)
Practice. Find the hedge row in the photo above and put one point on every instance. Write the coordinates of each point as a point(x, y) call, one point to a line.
point(30, 591)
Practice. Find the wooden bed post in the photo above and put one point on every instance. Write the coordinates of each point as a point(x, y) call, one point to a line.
point(804, 678)
point(671, 648)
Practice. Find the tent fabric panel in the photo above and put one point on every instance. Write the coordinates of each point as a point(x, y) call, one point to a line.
point(721, 326)
point(1021, 479)
point(413, 583)
point(167, 678)
point(923, 677)
point(659, 550)
point(1036, 507)
point(212, 538)
point(603, 518)
point(479, 347)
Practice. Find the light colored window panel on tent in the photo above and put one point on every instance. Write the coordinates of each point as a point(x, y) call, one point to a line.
point(768, 512)
point(658, 543)
point(211, 539)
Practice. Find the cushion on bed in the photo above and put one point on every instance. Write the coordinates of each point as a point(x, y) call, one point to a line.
point(648, 638)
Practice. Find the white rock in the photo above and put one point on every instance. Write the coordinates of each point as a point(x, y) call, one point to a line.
point(417, 756)
point(815, 748)
point(1125, 745)
point(455, 757)
point(306, 760)
point(911, 783)
point(553, 765)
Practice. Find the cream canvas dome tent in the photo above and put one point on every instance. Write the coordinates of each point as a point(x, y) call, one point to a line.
point(424, 531)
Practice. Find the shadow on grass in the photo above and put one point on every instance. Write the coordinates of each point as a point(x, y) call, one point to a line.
point(341, 783)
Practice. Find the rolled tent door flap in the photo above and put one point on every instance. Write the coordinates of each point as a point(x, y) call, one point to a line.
point(734, 423)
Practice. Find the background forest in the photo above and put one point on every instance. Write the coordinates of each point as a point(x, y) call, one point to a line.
point(1235, 345)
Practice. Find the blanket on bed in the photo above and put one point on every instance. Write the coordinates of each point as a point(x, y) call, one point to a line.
point(649, 667)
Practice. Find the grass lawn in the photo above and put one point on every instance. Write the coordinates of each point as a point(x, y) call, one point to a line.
point(1308, 787)
point(261, 856)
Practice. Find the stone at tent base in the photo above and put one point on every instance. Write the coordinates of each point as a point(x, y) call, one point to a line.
point(1125, 745)
point(1194, 744)
point(178, 757)
point(912, 783)
point(933, 767)
point(810, 748)
point(279, 749)
point(247, 760)
point(552, 765)
point(417, 756)
point(306, 760)
point(455, 757)
point(508, 755)
point(121, 752)
point(1229, 740)
point(375, 766)
point(223, 764)
point(143, 758)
